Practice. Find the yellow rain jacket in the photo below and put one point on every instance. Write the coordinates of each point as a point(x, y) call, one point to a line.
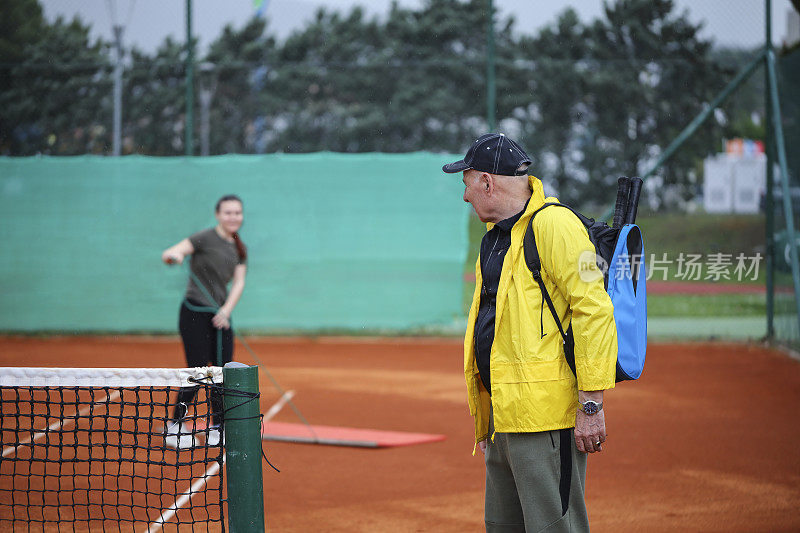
point(533, 388)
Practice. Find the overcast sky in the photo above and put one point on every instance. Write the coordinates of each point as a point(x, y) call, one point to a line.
point(148, 22)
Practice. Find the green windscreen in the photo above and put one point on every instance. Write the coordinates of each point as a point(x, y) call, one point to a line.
point(351, 242)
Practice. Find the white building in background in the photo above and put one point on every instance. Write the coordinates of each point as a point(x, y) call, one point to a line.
point(734, 181)
point(792, 28)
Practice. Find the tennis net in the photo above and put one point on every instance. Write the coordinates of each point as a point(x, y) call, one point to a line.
point(96, 449)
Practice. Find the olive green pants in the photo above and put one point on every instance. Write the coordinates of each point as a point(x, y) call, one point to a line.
point(535, 482)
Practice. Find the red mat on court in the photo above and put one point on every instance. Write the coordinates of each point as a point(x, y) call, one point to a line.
point(343, 436)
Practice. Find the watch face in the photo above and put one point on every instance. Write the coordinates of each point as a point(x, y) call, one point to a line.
point(590, 407)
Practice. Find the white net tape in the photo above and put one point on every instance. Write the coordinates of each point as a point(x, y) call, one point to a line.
point(106, 377)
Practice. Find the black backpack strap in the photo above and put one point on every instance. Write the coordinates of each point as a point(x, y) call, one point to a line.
point(535, 266)
point(529, 242)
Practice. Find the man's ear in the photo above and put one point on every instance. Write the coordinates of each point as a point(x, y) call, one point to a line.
point(486, 179)
point(488, 184)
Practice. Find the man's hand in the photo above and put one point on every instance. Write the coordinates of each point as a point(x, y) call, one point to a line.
point(590, 430)
point(483, 445)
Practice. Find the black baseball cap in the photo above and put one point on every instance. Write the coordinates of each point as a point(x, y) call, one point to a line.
point(493, 153)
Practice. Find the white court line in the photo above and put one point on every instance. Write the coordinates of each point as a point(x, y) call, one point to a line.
point(275, 409)
point(61, 422)
point(185, 497)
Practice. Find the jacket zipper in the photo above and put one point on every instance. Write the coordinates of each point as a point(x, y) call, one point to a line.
point(484, 291)
point(474, 344)
point(483, 278)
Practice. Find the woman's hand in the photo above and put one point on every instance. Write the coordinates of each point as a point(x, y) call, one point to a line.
point(171, 257)
point(222, 320)
point(176, 254)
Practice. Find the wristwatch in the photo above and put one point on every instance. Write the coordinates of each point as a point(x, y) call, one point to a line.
point(590, 407)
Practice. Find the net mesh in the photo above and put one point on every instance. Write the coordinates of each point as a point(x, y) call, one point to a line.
point(79, 455)
point(786, 320)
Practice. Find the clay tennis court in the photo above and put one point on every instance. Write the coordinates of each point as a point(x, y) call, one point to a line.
point(704, 441)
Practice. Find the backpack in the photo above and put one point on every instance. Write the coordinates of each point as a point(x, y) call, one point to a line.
point(620, 257)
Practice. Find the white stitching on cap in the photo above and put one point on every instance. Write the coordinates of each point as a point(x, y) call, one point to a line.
point(521, 153)
point(497, 153)
point(475, 152)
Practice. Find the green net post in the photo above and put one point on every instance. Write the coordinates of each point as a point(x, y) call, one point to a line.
point(243, 449)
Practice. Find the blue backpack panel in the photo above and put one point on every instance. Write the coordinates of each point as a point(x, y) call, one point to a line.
point(627, 287)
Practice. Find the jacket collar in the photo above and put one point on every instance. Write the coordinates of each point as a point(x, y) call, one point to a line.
point(537, 196)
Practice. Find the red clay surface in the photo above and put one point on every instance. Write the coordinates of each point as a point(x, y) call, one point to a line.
point(706, 440)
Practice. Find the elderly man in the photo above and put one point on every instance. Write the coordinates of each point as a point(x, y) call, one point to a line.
point(535, 420)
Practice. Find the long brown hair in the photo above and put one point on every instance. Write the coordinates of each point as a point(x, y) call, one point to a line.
point(241, 249)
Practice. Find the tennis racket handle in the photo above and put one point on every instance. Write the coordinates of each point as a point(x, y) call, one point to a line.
point(623, 186)
point(633, 200)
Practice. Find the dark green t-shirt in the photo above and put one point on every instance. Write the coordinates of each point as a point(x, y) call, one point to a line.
point(213, 262)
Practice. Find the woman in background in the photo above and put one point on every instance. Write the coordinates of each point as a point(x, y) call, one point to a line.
point(218, 257)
